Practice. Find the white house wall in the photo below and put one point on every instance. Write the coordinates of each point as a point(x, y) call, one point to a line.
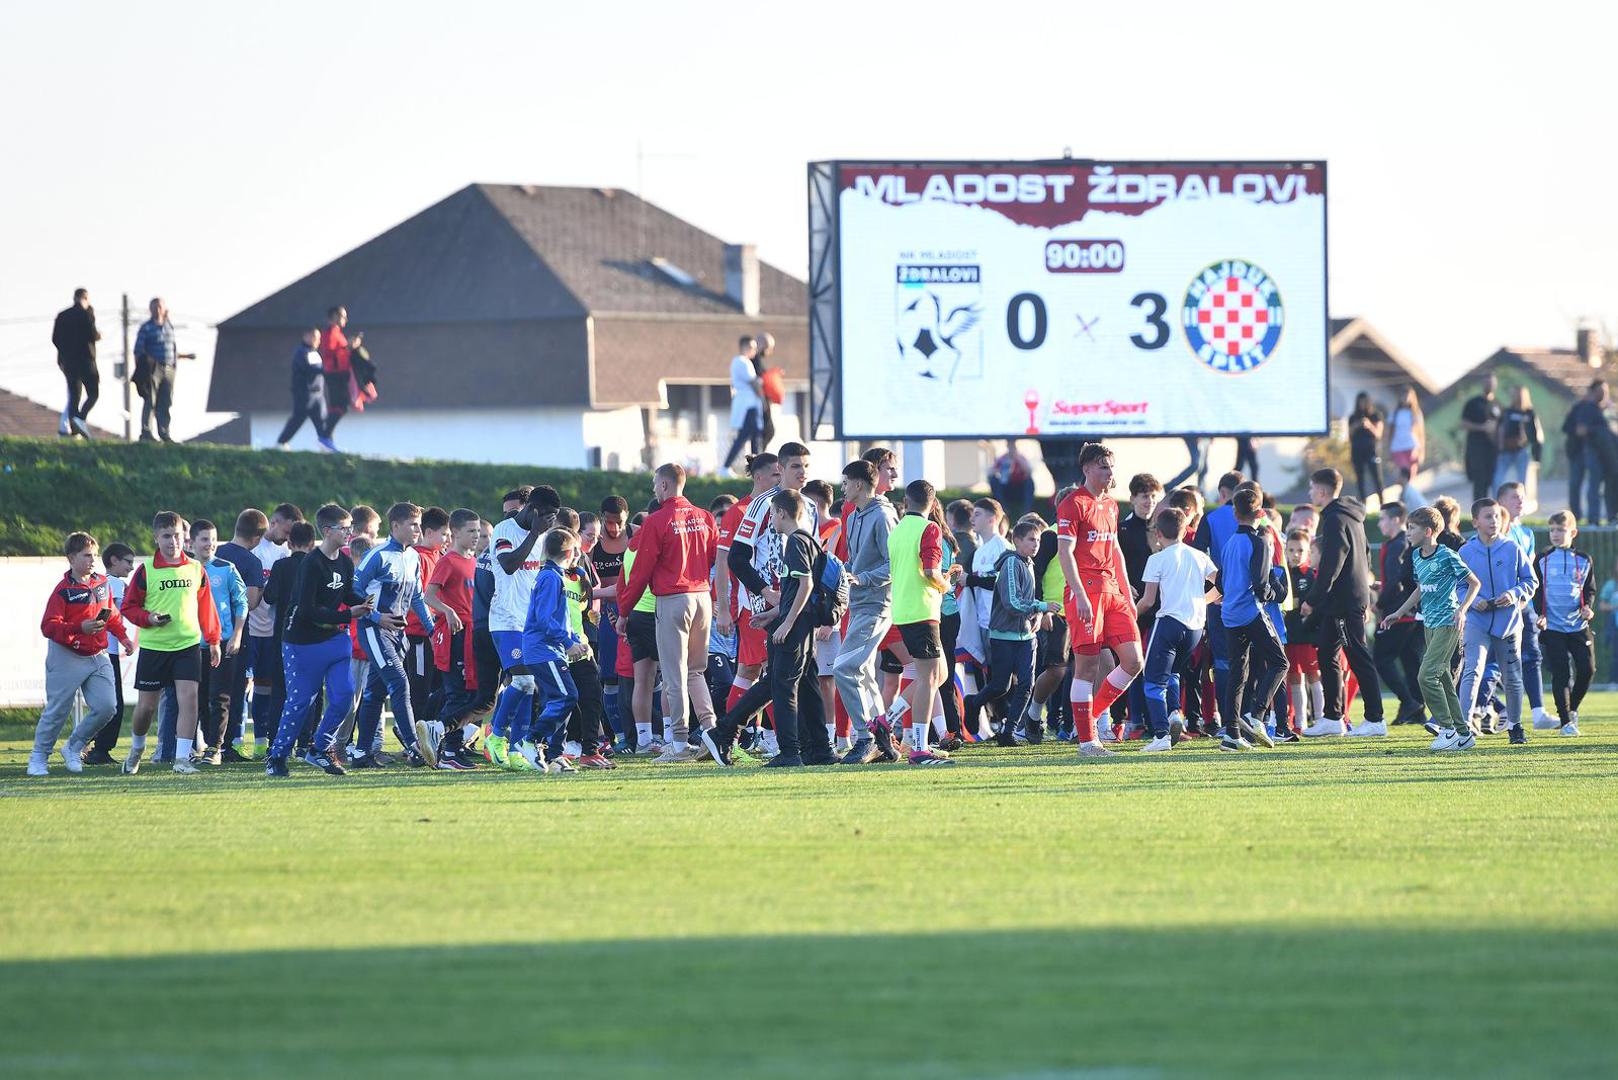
point(530, 436)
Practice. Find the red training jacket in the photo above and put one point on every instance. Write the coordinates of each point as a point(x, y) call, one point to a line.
point(674, 554)
point(73, 602)
point(334, 351)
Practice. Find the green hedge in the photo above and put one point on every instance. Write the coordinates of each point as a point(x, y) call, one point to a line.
point(49, 488)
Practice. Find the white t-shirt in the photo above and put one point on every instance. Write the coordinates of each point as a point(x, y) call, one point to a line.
point(983, 560)
point(261, 620)
point(115, 589)
point(1404, 430)
point(1182, 573)
point(742, 394)
point(509, 608)
point(757, 532)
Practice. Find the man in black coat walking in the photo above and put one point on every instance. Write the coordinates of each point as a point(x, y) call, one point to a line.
point(1337, 605)
point(75, 338)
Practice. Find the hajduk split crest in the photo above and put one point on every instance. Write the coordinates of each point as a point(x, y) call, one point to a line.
point(1232, 316)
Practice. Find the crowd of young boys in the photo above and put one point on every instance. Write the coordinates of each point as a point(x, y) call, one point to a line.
point(832, 633)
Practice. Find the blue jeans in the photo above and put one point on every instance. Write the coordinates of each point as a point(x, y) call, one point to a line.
point(1193, 447)
point(1594, 477)
point(385, 649)
point(1511, 465)
point(168, 719)
point(750, 433)
point(1575, 484)
point(307, 668)
point(1172, 641)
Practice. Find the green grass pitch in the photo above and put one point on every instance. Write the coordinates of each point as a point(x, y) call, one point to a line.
point(1345, 909)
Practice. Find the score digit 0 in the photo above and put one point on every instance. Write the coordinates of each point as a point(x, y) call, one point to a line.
point(1084, 256)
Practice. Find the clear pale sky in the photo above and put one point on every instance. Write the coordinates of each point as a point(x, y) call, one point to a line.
point(212, 153)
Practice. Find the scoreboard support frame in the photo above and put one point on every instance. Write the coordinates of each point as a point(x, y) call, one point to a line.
point(825, 305)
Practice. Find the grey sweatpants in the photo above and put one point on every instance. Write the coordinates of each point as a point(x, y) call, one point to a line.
point(66, 673)
point(1478, 647)
point(855, 667)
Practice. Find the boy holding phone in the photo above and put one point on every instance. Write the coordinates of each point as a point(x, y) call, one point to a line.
point(78, 615)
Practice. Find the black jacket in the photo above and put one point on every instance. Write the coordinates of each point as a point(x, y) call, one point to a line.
point(1390, 572)
point(75, 337)
point(1343, 575)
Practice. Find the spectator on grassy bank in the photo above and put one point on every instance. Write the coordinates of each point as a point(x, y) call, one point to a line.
point(156, 358)
point(75, 336)
point(335, 365)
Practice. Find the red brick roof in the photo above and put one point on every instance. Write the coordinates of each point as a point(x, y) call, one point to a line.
point(21, 417)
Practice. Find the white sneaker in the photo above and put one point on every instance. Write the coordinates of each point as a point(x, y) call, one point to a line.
point(132, 762)
point(1094, 749)
point(1543, 721)
point(73, 757)
point(1323, 727)
point(1254, 731)
point(1445, 741)
point(675, 755)
point(1104, 731)
point(1158, 745)
point(425, 746)
point(1571, 728)
point(185, 767)
point(1369, 728)
point(37, 766)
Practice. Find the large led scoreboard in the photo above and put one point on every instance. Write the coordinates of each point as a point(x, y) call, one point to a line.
point(999, 299)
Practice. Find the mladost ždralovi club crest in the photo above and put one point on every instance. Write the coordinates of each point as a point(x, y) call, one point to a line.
point(937, 315)
point(1232, 316)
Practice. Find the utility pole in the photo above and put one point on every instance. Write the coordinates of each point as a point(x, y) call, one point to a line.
point(127, 374)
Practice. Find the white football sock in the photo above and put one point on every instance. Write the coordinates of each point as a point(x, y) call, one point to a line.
point(1317, 697)
point(182, 749)
point(137, 743)
point(643, 732)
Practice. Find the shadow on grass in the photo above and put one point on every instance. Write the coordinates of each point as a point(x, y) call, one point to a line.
point(1020, 1004)
point(980, 769)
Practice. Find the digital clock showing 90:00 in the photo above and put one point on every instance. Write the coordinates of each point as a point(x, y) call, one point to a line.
point(1084, 256)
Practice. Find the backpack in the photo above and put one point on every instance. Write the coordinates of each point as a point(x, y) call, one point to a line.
point(828, 598)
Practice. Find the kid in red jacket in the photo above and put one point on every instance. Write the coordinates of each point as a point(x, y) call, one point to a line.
point(78, 615)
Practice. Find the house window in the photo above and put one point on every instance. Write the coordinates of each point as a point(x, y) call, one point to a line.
point(684, 417)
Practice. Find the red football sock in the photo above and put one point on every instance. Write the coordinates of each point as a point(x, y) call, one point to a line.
point(1084, 727)
point(840, 716)
point(1111, 688)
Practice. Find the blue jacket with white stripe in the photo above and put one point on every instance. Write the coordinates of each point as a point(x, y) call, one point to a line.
point(390, 575)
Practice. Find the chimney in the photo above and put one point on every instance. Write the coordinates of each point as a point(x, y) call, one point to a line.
point(741, 276)
point(1590, 350)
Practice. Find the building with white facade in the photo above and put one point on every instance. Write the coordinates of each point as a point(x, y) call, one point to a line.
point(577, 327)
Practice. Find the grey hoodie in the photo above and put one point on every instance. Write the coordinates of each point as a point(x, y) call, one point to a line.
point(868, 530)
point(1017, 606)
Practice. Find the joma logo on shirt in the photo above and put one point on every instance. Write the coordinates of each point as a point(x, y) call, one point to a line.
point(165, 584)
